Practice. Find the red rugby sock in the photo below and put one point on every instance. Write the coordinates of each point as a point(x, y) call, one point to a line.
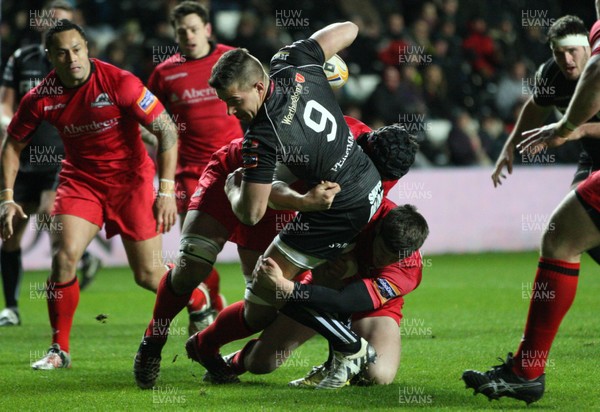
point(553, 293)
point(62, 299)
point(166, 307)
point(228, 327)
point(212, 283)
point(197, 301)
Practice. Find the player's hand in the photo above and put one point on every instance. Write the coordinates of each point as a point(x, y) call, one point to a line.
point(8, 211)
point(550, 135)
point(165, 212)
point(506, 158)
point(320, 197)
point(269, 275)
point(234, 181)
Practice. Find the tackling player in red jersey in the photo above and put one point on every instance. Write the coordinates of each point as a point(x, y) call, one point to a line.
point(181, 83)
point(574, 228)
point(374, 297)
point(106, 178)
point(392, 150)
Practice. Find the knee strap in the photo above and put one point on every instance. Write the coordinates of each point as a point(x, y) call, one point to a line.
point(199, 248)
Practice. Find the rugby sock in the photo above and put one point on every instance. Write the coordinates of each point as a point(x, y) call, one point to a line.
point(337, 333)
point(229, 326)
point(595, 254)
point(12, 274)
point(553, 293)
point(62, 301)
point(197, 301)
point(237, 362)
point(167, 306)
point(212, 283)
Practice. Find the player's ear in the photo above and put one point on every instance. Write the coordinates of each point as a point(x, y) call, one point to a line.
point(208, 29)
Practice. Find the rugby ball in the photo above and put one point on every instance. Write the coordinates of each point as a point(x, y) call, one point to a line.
point(336, 71)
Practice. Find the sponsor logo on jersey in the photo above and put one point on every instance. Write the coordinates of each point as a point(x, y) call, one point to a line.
point(147, 101)
point(282, 55)
point(94, 127)
point(340, 163)
point(102, 100)
point(195, 93)
point(55, 107)
point(289, 117)
point(175, 76)
point(386, 290)
point(299, 78)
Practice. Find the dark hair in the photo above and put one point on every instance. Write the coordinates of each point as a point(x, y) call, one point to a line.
point(392, 150)
point(566, 25)
point(189, 7)
point(60, 4)
point(404, 230)
point(62, 25)
point(236, 66)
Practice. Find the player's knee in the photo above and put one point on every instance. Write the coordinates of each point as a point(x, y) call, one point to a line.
point(261, 366)
point(66, 257)
point(146, 277)
point(553, 246)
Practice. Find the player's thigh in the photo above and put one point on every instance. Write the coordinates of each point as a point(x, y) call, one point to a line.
point(276, 343)
point(144, 256)
point(570, 232)
point(248, 259)
point(382, 332)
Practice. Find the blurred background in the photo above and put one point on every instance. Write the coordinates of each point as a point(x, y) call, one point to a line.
point(455, 71)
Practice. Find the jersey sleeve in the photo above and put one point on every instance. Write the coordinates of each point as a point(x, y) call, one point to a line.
point(154, 85)
point(259, 152)
point(300, 53)
point(136, 99)
point(395, 280)
point(8, 76)
point(595, 38)
point(27, 118)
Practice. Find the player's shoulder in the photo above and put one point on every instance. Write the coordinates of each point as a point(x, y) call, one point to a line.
point(110, 73)
point(170, 63)
point(548, 70)
point(221, 49)
point(28, 52)
point(356, 126)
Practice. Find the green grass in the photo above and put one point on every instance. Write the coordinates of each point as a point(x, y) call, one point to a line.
point(468, 311)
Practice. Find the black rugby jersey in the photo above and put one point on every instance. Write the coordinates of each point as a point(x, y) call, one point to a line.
point(552, 88)
point(24, 70)
point(301, 125)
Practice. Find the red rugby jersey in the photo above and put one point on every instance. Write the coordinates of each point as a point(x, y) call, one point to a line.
point(204, 126)
point(97, 121)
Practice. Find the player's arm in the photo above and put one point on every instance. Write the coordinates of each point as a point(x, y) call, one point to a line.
point(584, 104)
point(148, 137)
point(354, 297)
point(166, 133)
point(7, 103)
point(335, 37)
point(318, 198)
point(249, 200)
point(9, 166)
point(532, 115)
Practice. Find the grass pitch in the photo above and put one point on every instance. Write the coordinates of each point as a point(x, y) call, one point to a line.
point(469, 310)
